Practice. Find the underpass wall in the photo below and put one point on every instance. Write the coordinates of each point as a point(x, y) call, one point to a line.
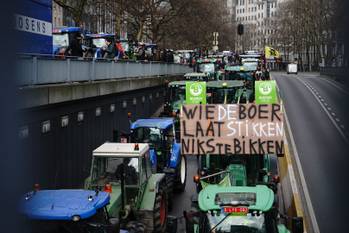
point(58, 142)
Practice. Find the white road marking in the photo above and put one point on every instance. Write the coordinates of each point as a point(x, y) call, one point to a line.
point(302, 179)
point(326, 111)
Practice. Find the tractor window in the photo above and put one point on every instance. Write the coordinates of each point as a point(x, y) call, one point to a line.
point(144, 173)
point(109, 170)
point(169, 136)
point(61, 40)
point(223, 96)
point(177, 93)
point(131, 171)
point(147, 135)
point(147, 166)
point(207, 68)
point(99, 42)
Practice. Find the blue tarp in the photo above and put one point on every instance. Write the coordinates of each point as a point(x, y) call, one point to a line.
point(66, 29)
point(160, 123)
point(62, 204)
point(103, 35)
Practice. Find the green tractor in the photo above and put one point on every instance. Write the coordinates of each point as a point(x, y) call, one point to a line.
point(137, 196)
point(229, 209)
point(209, 66)
point(243, 170)
point(246, 74)
point(177, 93)
point(224, 92)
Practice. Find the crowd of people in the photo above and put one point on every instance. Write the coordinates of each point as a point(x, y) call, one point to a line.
point(114, 49)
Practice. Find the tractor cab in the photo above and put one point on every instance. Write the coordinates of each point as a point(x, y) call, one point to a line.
point(165, 150)
point(223, 92)
point(97, 42)
point(62, 38)
point(210, 66)
point(161, 136)
point(238, 209)
point(70, 210)
point(136, 194)
point(176, 97)
point(246, 75)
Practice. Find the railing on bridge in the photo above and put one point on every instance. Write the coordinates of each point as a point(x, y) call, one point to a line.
point(39, 70)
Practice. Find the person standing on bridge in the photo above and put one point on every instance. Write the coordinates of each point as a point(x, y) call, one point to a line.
point(120, 50)
point(75, 48)
point(110, 50)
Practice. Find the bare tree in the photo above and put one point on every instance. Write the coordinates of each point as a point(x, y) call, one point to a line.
point(76, 8)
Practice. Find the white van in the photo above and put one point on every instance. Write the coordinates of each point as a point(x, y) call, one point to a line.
point(292, 68)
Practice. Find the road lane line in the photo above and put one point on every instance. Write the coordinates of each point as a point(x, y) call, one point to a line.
point(335, 85)
point(310, 208)
point(326, 111)
point(331, 82)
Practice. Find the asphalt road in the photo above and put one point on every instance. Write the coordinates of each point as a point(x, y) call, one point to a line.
point(318, 114)
point(182, 201)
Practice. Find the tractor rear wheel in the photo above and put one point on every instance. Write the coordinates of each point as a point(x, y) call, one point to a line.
point(181, 175)
point(160, 211)
point(169, 190)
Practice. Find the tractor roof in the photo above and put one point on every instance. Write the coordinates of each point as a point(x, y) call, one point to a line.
point(160, 123)
point(245, 68)
point(66, 30)
point(109, 149)
point(225, 84)
point(100, 35)
point(264, 197)
point(250, 55)
point(234, 68)
point(62, 204)
point(250, 66)
point(196, 75)
point(177, 83)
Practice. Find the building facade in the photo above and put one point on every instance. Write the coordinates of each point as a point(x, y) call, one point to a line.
point(57, 15)
point(259, 19)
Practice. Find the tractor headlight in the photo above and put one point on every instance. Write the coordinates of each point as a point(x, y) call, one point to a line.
point(76, 218)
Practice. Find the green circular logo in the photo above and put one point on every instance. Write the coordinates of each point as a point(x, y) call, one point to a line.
point(196, 89)
point(265, 88)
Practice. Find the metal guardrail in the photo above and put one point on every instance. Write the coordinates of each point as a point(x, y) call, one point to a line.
point(38, 70)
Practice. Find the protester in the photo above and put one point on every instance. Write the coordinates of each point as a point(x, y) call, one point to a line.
point(141, 51)
point(120, 50)
point(75, 48)
point(110, 50)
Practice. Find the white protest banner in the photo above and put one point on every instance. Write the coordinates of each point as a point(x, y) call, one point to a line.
point(232, 129)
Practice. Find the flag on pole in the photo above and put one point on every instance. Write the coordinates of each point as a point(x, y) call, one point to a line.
point(271, 53)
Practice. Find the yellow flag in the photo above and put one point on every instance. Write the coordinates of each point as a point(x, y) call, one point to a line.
point(271, 53)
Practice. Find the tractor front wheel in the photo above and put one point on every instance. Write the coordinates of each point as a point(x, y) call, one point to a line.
point(181, 175)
